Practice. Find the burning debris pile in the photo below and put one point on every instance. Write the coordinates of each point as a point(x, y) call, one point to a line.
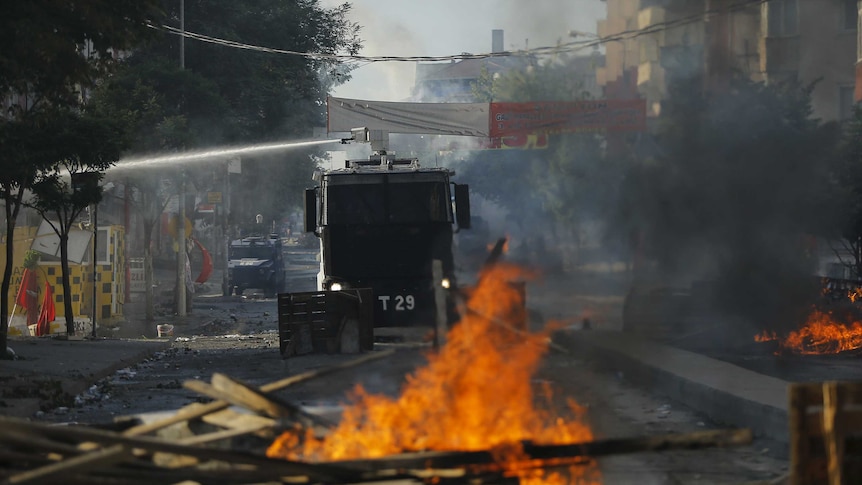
point(475, 394)
point(822, 333)
point(469, 415)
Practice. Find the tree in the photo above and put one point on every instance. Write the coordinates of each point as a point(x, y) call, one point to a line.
point(266, 96)
point(739, 184)
point(234, 96)
point(52, 52)
point(166, 108)
point(89, 145)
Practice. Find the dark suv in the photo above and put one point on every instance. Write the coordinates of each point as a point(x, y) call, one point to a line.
point(256, 262)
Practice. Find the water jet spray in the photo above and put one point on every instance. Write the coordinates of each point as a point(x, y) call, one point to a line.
point(153, 162)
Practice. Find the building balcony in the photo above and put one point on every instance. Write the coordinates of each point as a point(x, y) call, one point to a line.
point(647, 17)
point(651, 79)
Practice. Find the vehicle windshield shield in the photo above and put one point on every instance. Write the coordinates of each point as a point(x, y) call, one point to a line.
point(251, 252)
point(393, 200)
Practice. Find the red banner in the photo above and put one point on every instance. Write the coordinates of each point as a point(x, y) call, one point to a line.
point(606, 115)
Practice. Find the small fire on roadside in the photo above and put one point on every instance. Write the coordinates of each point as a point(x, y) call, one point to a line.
point(822, 333)
point(474, 394)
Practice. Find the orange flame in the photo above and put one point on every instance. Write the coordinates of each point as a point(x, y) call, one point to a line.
point(821, 334)
point(490, 246)
point(765, 336)
point(474, 394)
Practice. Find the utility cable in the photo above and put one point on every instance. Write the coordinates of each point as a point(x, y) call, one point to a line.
point(538, 51)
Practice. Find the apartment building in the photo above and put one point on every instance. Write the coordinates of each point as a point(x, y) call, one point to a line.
point(812, 41)
point(618, 76)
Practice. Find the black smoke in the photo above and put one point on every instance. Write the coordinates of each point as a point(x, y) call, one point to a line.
point(734, 197)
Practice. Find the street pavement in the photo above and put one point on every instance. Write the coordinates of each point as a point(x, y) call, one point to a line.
point(48, 371)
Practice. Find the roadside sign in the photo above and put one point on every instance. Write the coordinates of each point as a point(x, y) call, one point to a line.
point(136, 268)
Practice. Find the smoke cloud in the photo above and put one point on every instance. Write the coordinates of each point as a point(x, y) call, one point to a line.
point(448, 27)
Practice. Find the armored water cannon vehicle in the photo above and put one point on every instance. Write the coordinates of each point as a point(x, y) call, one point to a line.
point(382, 222)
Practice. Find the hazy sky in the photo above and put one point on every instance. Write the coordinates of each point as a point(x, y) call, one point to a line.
point(448, 27)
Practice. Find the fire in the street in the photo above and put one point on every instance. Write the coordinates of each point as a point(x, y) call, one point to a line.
point(474, 394)
point(821, 334)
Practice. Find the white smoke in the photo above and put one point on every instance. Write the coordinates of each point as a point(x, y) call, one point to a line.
point(448, 27)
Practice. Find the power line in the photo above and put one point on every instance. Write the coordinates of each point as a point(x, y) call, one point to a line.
point(367, 59)
point(538, 51)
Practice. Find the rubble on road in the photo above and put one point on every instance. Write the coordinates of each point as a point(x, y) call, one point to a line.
point(49, 372)
point(224, 441)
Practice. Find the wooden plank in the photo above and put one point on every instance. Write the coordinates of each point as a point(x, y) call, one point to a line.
point(25, 441)
point(849, 392)
point(821, 416)
point(253, 399)
point(593, 449)
point(241, 395)
point(193, 412)
point(222, 435)
point(321, 472)
point(849, 421)
point(223, 474)
point(495, 254)
point(231, 419)
point(17, 458)
point(93, 459)
point(831, 436)
point(796, 417)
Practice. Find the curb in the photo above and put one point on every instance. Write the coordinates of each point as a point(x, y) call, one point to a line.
point(725, 393)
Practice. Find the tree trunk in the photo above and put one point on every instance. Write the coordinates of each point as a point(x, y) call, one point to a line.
point(13, 205)
point(7, 277)
point(67, 287)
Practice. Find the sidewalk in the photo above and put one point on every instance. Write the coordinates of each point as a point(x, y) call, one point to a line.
point(50, 372)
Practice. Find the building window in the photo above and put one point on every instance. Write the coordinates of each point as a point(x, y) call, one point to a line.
point(850, 14)
point(783, 18)
point(846, 103)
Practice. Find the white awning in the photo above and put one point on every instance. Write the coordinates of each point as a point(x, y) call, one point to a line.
point(467, 119)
